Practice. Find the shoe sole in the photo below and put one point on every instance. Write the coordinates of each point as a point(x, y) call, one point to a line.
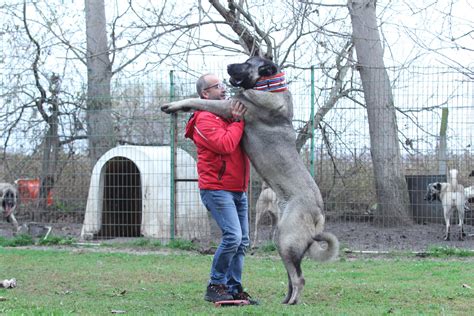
point(207, 298)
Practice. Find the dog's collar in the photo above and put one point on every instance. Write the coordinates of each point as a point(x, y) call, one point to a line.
point(275, 83)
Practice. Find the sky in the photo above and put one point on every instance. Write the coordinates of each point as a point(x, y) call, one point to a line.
point(406, 28)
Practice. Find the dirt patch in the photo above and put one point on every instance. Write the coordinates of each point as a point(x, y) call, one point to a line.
point(352, 235)
point(365, 236)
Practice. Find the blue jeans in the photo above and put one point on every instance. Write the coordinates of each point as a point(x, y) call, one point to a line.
point(230, 211)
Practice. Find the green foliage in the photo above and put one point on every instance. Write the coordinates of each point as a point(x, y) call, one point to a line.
point(17, 241)
point(61, 281)
point(141, 242)
point(181, 244)
point(268, 247)
point(439, 251)
point(56, 240)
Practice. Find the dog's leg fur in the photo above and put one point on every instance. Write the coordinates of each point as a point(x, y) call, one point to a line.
point(12, 220)
point(461, 225)
point(292, 258)
point(447, 217)
point(460, 206)
point(458, 200)
point(220, 107)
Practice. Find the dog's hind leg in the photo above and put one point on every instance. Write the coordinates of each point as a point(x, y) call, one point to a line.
point(292, 260)
point(12, 220)
point(462, 234)
point(255, 233)
point(290, 291)
point(448, 226)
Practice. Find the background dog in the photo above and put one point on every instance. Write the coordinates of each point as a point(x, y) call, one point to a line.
point(267, 203)
point(9, 202)
point(469, 192)
point(452, 196)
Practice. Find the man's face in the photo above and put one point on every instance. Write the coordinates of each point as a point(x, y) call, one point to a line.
point(215, 89)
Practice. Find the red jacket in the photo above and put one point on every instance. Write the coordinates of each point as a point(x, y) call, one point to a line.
point(222, 163)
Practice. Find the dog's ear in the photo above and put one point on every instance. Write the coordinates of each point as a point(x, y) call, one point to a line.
point(267, 70)
point(438, 186)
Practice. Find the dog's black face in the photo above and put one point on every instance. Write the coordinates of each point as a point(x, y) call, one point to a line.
point(9, 201)
point(433, 192)
point(245, 75)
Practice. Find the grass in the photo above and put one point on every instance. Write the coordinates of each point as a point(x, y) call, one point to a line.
point(90, 282)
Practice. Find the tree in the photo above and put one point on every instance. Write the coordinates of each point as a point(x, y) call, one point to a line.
point(49, 109)
point(100, 129)
point(390, 184)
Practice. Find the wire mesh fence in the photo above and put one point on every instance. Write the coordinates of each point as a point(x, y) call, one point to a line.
point(146, 185)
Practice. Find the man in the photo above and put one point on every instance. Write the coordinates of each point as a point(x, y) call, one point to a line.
point(223, 169)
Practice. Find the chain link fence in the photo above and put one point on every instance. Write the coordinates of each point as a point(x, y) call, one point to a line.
point(146, 186)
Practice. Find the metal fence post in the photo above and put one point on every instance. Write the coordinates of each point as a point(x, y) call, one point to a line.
point(311, 152)
point(173, 144)
point(442, 149)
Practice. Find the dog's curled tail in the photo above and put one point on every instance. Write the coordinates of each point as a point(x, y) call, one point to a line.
point(318, 253)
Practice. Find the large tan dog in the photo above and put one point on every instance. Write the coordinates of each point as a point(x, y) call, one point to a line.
point(269, 141)
point(267, 203)
point(9, 202)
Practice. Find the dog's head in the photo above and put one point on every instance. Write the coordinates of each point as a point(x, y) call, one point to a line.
point(8, 199)
point(246, 75)
point(433, 192)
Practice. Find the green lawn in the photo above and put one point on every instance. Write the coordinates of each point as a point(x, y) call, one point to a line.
point(80, 281)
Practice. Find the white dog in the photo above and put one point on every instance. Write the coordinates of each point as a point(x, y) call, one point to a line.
point(452, 195)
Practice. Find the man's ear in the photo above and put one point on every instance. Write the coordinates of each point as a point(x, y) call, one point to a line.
point(204, 94)
point(267, 70)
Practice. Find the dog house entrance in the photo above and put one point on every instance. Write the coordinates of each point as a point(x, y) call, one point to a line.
point(122, 200)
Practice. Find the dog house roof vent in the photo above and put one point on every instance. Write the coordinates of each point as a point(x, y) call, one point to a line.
point(130, 188)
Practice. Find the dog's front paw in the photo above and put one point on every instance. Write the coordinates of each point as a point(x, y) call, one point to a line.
point(169, 108)
point(174, 107)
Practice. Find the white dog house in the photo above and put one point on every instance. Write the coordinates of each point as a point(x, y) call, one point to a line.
point(129, 196)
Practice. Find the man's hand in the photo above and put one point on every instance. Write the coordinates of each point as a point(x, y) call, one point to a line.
point(238, 110)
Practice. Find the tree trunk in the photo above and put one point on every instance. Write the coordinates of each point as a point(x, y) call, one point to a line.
point(390, 184)
point(51, 144)
point(100, 128)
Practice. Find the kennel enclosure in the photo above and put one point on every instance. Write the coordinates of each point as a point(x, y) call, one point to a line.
point(129, 196)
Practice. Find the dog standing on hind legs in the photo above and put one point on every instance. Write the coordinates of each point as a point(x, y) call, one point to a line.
point(452, 196)
point(268, 124)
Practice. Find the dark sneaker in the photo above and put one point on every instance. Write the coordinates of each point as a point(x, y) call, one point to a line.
point(245, 296)
point(217, 292)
